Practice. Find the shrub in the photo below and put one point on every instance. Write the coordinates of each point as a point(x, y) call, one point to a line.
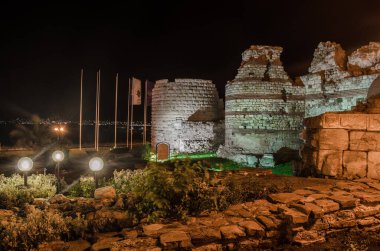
point(39, 226)
point(84, 187)
point(14, 194)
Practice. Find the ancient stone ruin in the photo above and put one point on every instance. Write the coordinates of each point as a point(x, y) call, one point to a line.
point(186, 115)
point(336, 82)
point(344, 144)
point(264, 108)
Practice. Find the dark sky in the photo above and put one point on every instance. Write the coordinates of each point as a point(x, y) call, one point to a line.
point(43, 45)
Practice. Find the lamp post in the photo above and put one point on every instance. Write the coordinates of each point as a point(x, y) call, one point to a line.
point(58, 156)
point(25, 164)
point(96, 164)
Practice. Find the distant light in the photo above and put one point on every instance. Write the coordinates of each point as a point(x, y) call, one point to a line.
point(25, 164)
point(96, 164)
point(61, 129)
point(58, 156)
point(56, 129)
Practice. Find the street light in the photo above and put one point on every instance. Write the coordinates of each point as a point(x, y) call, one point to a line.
point(96, 164)
point(58, 156)
point(59, 130)
point(25, 164)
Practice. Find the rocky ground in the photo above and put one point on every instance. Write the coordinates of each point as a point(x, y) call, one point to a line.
point(332, 215)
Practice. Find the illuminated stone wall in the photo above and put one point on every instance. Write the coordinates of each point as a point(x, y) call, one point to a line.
point(264, 108)
point(185, 114)
point(337, 82)
point(343, 145)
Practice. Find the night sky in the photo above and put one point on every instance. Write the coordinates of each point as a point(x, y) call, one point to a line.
point(44, 45)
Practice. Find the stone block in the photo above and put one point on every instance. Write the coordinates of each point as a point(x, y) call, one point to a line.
point(354, 164)
point(306, 238)
point(252, 228)
point(327, 205)
point(175, 239)
point(284, 198)
point(373, 165)
point(333, 139)
point(364, 141)
point(209, 247)
point(232, 232)
point(330, 162)
point(353, 121)
point(331, 120)
point(373, 122)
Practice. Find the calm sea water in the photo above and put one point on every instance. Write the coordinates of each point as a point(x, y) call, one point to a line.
point(72, 134)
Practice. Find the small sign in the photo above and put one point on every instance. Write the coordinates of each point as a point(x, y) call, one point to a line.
point(163, 151)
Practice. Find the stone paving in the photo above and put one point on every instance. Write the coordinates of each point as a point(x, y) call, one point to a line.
point(301, 218)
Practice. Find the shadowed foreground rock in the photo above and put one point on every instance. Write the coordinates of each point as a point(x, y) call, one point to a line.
point(305, 217)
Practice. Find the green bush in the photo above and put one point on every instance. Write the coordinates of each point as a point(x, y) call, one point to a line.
point(14, 194)
point(84, 187)
point(39, 226)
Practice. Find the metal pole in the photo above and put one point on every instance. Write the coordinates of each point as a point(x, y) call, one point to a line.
point(25, 179)
point(131, 146)
point(116, 87)
point(58, 179)
point(96, 180)
point(80, 110)
point(129, 101)
point(145, 110)
point(97, 144)
point(96, 109)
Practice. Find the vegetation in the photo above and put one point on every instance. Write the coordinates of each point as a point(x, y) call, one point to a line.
point(14, 194)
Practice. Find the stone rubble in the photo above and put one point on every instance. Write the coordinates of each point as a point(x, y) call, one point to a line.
point(291, 218)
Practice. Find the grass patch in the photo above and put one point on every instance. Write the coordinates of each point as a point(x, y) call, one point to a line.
point(283, 169)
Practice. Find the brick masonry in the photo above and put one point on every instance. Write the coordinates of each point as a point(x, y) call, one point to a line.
point(186, 115)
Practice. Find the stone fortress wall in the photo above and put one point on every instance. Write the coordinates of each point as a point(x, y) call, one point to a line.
point(264, 108)
point(186, 115)
point(337, 82)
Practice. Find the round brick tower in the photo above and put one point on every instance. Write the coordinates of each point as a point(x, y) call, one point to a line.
point(264, 108)
point(185, 115)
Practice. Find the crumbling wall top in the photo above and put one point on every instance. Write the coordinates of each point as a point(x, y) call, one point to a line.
point(328, 56)
point(262, 54)
point(365, 60)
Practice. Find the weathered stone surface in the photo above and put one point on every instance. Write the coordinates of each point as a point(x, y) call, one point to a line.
point(135, 244)
point(209, 247)
point(355, 164)
point(175, 239)
point(328, 55)
point(333, 139)
point(373, 165)
point(269, 222)
point(341, 219)
point(232, 232)
point(330, 162)
point(79, 245)
point(252, 228)
point(108, 193)
point(104, 244)
point(153, 230)
point(306, 238)
point(353, 121)
point(309, 209)
point(249, 244)
point(373, 122)
point(59, 199)
point(365, 60)
point(367, 198)
point(362, 211)
point(369, 221)
point(364, 141)
point(327, 205)
point(284, 198)
point(205, 234)
point(345, 201)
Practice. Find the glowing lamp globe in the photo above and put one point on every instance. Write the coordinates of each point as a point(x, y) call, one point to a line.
point(96, 164)
point(25, 164)
point(58, 156)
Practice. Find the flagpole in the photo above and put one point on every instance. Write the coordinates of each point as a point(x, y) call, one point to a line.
point(116, 87)
point(131, 146)
point(80, 110)
point(128, 116)
point(145, 111)
point(97, 144)
point(96, 109)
